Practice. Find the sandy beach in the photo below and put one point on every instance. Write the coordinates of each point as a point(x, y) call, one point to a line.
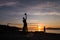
point(28, 36)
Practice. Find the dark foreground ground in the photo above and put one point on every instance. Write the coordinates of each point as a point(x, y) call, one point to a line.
point(28, 36)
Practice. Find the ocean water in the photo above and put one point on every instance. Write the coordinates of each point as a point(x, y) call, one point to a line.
point(53, 31)
point(47, 31)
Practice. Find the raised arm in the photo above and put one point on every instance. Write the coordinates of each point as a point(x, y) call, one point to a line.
point(25, 15)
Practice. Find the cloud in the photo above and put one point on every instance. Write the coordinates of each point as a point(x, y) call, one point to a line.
point(46, 8)
point(8, 4)
point(33, 7)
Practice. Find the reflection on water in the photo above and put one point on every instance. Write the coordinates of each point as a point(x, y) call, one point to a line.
point(53, 31)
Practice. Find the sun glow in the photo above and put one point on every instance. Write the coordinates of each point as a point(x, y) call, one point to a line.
point(40, 28)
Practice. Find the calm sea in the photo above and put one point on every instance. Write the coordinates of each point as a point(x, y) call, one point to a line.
point(53, 31)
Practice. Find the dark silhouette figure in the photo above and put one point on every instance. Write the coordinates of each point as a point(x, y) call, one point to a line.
point(44, 29)
point(25, 23)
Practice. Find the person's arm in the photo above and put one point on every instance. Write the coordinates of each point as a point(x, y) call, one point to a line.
point(26, 15)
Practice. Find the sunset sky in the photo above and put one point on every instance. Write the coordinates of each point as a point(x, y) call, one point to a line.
point(43, 12)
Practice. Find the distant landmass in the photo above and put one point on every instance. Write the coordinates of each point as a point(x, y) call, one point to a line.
point(7, 28)
point(53, 28)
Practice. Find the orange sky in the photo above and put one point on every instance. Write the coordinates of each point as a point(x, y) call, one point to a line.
point(43, 13)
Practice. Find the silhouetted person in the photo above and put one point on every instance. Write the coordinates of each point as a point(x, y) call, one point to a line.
point(44, 29)
point(25, 23)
